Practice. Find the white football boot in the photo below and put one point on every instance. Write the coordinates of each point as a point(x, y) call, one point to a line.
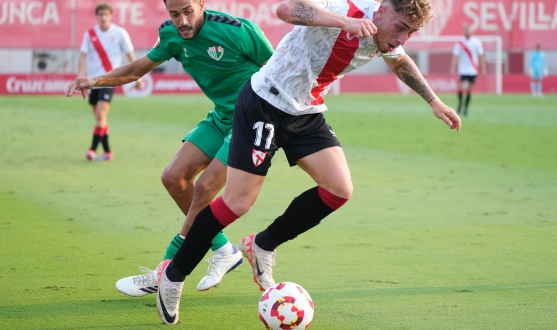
point(140, 285)
point(168, 296)
point(220, 265)
point(261, 261)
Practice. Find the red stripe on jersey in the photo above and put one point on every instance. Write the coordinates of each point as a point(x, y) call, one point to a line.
point(343, 52)
point(100, 50)
point(463, 45)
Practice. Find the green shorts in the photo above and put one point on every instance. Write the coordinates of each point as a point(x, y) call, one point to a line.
point(212, 136)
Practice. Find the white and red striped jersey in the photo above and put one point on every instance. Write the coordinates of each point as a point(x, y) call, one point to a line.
point(468, 51)
point(114, 42)
point(310, 58)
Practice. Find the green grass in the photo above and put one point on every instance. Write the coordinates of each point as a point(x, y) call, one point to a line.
point(445, 230)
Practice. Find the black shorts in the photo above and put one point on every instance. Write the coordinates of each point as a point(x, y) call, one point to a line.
point(101, 94)
point(470, 79)
point(259, 129)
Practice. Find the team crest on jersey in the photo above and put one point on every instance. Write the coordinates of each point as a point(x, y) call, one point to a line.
point(258, 157)
point(349, 37)
point(375, 54)
point(157, 43)
point(216, 52)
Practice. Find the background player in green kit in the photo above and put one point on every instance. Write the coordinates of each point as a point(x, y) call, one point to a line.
point(220, 52)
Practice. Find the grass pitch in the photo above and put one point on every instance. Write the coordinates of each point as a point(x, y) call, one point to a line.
point(445, 230)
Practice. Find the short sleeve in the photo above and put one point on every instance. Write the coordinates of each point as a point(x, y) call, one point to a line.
point(85, 44)
point(456, 50)
point(398, 52)
point(254, 44)
point(339, 7)
point(126, 42)
point(159, 53)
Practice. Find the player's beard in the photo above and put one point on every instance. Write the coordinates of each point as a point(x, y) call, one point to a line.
point(195, 30)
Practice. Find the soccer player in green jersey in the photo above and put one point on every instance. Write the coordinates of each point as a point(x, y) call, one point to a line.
point(220, 52)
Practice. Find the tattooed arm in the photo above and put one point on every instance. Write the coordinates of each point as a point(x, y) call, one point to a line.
point(407, 71)
point(305, 12)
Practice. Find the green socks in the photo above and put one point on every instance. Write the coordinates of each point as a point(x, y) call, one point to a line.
point(219, 241)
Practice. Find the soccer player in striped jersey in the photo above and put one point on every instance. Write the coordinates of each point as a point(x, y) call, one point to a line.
point(281, 107)
point(220, 52)
point(102, 48)
point(468, 55)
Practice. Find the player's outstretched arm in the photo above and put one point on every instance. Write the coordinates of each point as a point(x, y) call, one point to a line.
point(305, 12)
point(120, 76)
point(407, 71)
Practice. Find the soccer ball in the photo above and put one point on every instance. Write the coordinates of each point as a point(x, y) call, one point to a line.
point(285, 305)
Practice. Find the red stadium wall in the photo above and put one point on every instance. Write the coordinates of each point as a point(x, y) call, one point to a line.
point(48, 23)
point(178, 84)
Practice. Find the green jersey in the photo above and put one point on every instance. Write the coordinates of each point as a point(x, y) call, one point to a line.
point(221, 58)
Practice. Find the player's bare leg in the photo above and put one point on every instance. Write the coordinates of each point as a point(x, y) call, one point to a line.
point(206, 188)
point(178, 177)
point(329, 169)
point(211, 181)
point(101, 113)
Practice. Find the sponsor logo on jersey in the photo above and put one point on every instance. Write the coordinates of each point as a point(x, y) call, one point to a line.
point(258, 157)
point(157, 43)
point(216, 52)
point(186, 52)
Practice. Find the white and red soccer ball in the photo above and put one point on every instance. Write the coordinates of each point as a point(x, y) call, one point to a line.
point(286, 305)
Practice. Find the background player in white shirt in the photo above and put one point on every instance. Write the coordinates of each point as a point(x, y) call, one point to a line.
point(102, 49)
point(467, 53)
point(281, 107)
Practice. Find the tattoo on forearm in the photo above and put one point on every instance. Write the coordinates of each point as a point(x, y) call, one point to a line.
point(409, 74)
point(303, 13)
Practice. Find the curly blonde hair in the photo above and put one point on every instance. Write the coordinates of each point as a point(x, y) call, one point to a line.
point(417, 10)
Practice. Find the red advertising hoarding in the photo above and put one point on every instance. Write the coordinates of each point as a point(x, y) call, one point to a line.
point(42, 84)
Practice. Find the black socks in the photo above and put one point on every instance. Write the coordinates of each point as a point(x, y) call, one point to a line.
point(305, 212)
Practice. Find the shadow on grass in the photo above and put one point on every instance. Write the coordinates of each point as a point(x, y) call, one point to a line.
point(195, 301)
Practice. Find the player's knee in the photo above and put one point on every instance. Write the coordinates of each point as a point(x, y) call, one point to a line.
point(240, 207)
point(203, 191)
point(335, 198)
point(342, 189)
point(174, 179)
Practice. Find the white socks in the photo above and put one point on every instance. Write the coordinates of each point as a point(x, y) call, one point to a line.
point(225, 249)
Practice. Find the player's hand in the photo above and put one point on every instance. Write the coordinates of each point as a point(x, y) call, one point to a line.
point(446, 114)
point(81, 84)
point(361, 28)
point(138, 84)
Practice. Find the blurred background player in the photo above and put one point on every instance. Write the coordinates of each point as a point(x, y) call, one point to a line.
point(538, 70)
point(467, 53)
point(102, 49)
